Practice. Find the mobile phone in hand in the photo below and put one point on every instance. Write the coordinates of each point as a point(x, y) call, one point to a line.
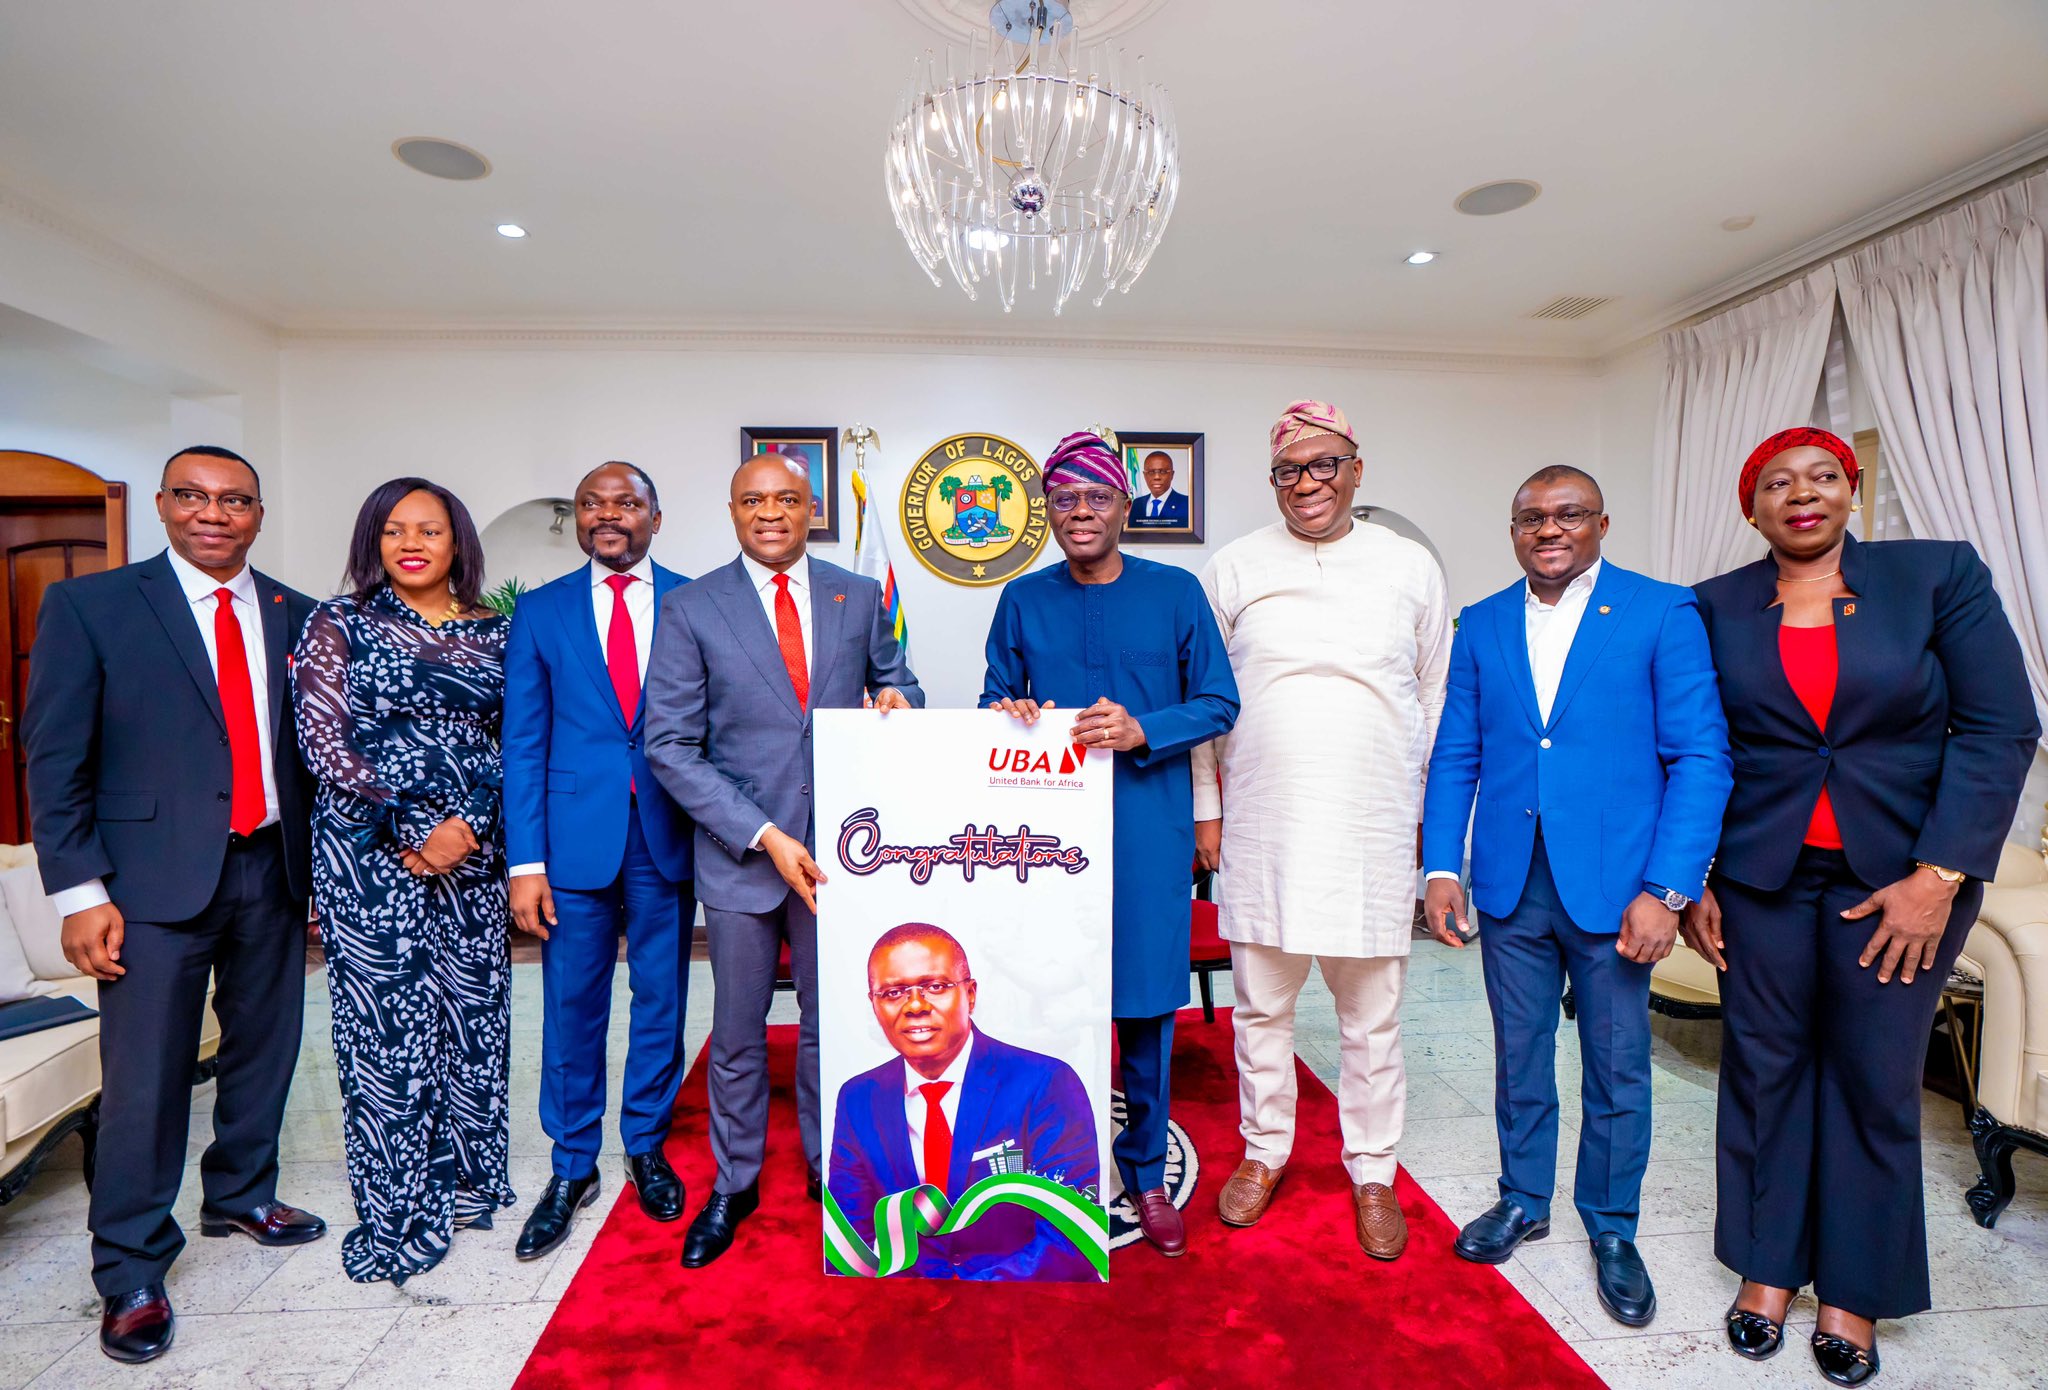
point(1451, 926)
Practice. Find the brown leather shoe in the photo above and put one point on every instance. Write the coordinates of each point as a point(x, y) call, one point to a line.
point(1161, 1223)
point(1382, 1229)
point(273, 1223)
point(1249, 1192)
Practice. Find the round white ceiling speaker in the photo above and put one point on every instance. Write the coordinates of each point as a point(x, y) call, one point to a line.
point(1503, 195)
point(443, 159)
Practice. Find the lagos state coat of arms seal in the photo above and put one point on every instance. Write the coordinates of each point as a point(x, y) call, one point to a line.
point(972, 509)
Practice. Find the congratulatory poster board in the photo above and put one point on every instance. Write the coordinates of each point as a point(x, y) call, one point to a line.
point(963, 986)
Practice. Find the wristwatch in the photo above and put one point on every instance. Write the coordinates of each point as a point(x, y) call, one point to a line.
point(1670, 897)
point(1945, 875)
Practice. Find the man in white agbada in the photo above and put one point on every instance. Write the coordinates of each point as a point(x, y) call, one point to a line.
point(1340, 637)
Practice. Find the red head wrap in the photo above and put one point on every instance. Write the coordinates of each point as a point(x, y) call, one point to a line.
point(1745, 487)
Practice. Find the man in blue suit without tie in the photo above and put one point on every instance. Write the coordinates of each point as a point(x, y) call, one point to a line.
point(597, 849)
point(745, 655)
point(954, 1107)
point(1584, 717)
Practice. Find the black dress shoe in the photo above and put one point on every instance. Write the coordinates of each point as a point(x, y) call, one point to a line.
point(1839, 1359)
point(710, 1234)
point(661, 1191)
point(273, 1223)
point(813, 1187)
point(138, 1326)
point(1753, 1335)
point(1491, 1237)
point(1622, 1282)
point(549, 1224)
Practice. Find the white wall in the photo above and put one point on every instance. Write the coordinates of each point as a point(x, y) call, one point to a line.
point(501, 427)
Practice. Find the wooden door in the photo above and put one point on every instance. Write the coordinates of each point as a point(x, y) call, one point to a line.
point(56, 521)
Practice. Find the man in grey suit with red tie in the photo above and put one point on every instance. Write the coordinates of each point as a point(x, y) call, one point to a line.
point(741, 658)
point(170, 819)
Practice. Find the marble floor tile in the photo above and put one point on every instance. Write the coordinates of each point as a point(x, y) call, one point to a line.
point(289, 1351)
point(26, 1351)
point(1692, 1288)
point(480, 1347)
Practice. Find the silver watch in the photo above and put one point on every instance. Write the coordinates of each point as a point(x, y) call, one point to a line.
point(1670, 897)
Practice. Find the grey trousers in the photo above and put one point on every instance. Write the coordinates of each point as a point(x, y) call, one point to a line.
point(744, 949)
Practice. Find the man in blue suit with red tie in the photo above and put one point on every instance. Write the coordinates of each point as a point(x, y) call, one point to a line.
point(1584, 718)
point(598, 848)
point(954, 1107)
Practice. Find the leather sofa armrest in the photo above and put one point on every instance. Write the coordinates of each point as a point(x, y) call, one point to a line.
point(2009, 946)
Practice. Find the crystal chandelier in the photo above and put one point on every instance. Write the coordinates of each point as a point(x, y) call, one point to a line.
point(1035, 165)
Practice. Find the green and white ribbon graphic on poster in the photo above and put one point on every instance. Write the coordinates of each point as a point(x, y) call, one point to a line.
point(902, 1218)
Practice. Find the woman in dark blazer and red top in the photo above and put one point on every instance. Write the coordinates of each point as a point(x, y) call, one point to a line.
point(1881, 727)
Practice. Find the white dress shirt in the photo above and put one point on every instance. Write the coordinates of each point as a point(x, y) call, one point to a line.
point(1549, 629)
point(639, 609)
point(949, 1105)
point(200, 589)
point(800, 594)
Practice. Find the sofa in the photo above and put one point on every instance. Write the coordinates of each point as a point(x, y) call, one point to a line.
point(2008, 950)
point(49, 1081)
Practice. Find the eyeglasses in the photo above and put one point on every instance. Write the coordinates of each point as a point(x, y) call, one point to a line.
point(1322, 470)
point(931, 991)
point(1099, 499)
point(191, 500)
point(1567, 519)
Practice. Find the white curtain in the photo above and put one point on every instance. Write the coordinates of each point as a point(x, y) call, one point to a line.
point(1949, 323)
point(1729, 382)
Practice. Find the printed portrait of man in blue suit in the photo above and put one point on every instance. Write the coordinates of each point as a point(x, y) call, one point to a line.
point(953, 1107)
point(1162, 506)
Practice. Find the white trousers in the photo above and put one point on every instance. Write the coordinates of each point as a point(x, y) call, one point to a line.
point(1372, 1084)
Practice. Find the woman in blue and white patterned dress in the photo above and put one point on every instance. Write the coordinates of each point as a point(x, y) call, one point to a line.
point(400, 688)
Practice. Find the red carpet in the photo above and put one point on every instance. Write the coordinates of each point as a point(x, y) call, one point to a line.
point(1291, 1301)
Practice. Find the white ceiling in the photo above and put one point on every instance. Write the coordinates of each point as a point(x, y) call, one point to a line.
point(719, 164)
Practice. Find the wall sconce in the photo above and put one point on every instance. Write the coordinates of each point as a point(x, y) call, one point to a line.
point(562, 514)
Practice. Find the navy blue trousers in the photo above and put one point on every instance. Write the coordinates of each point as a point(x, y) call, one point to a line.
point(1818, 1143)
point(1145, 1046)
point(577, 960)
point(1527, 957)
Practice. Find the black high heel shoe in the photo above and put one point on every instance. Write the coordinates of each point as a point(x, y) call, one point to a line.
point(1752, 1335)
point(1842, 1361)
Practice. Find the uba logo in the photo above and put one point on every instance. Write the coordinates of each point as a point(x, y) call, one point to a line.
point(1025, 760)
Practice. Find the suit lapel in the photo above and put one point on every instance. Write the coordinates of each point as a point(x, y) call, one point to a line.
point(1853, 628)
point(1762, 615)
point(899, 1165)
point(271, 606)
point(828, 624)
point(1511, 628)
point(972, 1116)
point(167, 597)
point(734, 592)
point(1605, 608)
point(580, 624)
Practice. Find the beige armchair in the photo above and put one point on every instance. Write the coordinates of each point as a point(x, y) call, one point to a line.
point(2008, 949)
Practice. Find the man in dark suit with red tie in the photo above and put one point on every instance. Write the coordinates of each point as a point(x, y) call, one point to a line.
point(170, 819)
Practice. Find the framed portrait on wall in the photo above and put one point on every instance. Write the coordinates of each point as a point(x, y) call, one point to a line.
point(817, 448)
point(1166, 470)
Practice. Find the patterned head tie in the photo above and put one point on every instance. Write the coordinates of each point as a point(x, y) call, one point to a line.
point(1745, 487)
point(1086, 458)
point(1307, 419)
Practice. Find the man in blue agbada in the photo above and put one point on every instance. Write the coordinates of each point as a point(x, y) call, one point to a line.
point(1132, 648)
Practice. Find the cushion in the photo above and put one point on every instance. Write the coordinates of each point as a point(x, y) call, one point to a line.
point(17, 981)
point(1204, 943)
point(36, 923)
point(49, 1074)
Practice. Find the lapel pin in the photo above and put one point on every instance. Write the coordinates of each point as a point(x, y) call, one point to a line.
point(277, 598)
point(839, 598)
point(1848, 610)
point(1605, 609)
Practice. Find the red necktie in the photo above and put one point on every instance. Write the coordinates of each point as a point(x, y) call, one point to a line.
point(621, 652)
point(238, 708)
point(938, 1135)
point(789, 635)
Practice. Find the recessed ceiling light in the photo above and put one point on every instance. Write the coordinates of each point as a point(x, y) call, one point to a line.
point(1421, 257)
point(1738, 224)
point(1503, 195)
point(511, 229)
point(443, 159)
